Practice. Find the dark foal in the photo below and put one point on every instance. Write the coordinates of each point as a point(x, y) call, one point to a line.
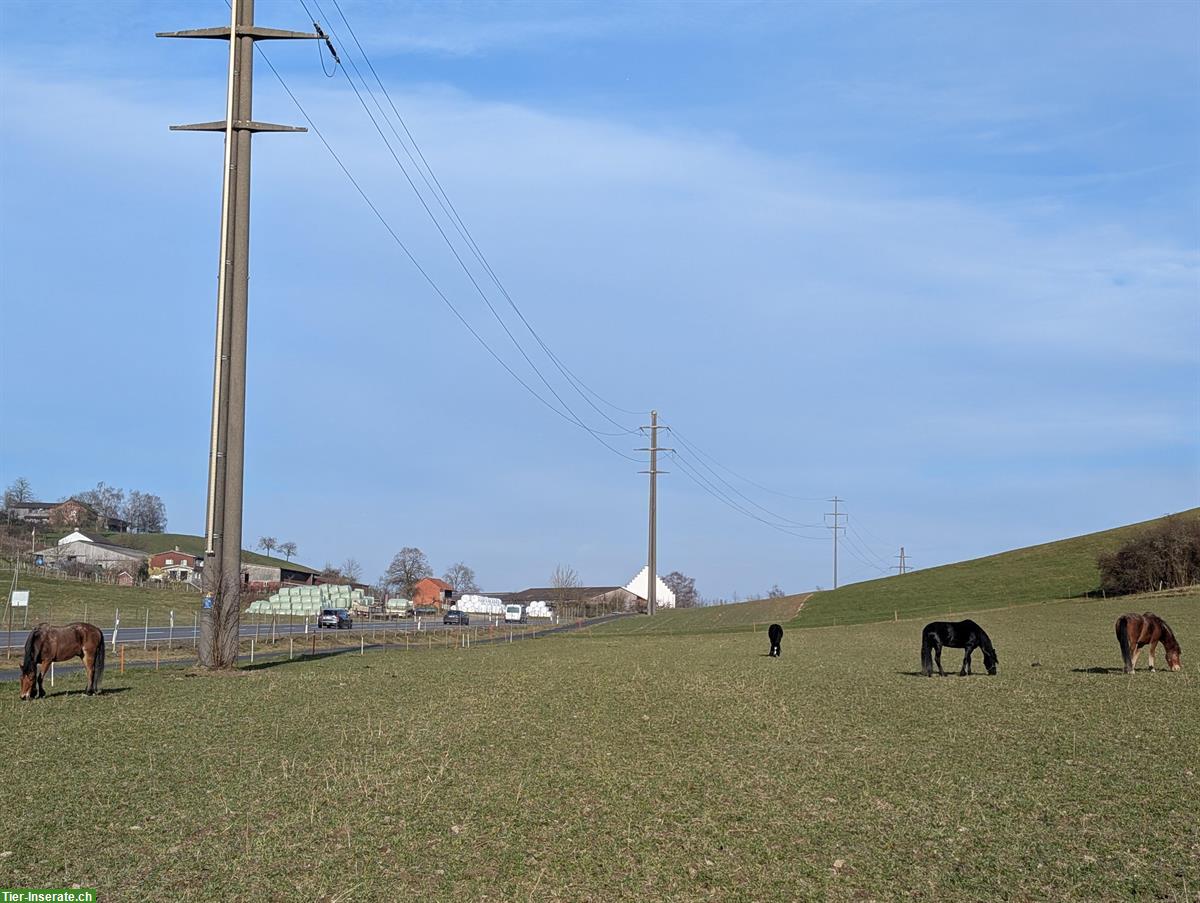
point(966, 635)
point(775, 635)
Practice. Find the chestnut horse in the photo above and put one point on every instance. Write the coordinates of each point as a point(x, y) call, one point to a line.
point(48, 644)
point(1135, 631)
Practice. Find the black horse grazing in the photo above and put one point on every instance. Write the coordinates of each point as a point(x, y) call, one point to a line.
point(775, 635)
point(957, 635)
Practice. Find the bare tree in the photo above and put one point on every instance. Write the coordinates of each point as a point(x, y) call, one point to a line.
point(408, 566)
point(107, 501)
point(268, 544)
point(145, 512)
point(18, 491)
point(351, 570)
point(684, 588)
point(776, 592)
point(462, 578)
point(288, 549)
point(565, 581)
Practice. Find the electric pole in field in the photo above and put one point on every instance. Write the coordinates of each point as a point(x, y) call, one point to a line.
point(652, 549)
point(902, 567)
point(218, 643)
point(835, 526)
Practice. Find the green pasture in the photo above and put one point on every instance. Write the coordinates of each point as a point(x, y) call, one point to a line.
point(60, 600)
point(648, 767)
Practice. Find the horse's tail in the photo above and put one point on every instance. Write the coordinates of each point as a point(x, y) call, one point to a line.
point(33, 648)
point(926, 653)
point(98, 663)
point(1123, 639)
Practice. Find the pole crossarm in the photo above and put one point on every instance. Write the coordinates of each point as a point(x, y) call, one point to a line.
point(247, 31)
point(240, 125)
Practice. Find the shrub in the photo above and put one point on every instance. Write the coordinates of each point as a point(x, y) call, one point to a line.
point(1165, 556)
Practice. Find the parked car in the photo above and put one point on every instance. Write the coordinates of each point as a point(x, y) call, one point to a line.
point(335, 617)
point(454, 616)
point(515, 614)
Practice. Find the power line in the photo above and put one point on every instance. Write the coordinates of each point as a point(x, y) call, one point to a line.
point(785, 520)
point(420, 269)
point(704, 483)
point(456, 222)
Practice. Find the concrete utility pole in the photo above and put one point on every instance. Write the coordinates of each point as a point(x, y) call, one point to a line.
point(218, 643)
point(902, 567)
point(837, 525)
point(652, 550)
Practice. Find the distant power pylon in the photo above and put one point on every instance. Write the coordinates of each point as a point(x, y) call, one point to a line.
point(218, 643)
point(652, 545)
point(835, 526)
point(903, 567)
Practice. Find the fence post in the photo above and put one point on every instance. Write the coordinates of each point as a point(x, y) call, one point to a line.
point(156, 656)
point(146, 632)
point(122, 651)
point(291, 646)
point(362, 644)
point(116, 625)
point(52, 675)
point(252, 650)
point(273, 616)
point(195, 629)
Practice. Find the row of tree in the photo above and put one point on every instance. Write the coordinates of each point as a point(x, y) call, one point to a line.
point(144, 511)
point(1165, 556)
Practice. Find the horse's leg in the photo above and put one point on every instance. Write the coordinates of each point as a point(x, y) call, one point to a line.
point(89, 665)
point(41, 675)
point(937, 657)
point(966, 665)
point(1137, 650)
point(1153, 643)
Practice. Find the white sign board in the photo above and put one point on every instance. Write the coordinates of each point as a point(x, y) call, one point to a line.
point(20, 598)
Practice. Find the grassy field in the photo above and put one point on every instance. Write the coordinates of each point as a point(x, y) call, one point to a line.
point(656, 767)
point(60, 601)
point(712, 619)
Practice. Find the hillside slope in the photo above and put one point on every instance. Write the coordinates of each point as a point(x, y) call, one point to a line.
point(1054, 570)
point(193, 545)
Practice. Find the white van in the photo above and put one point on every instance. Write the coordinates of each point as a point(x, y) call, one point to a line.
point(514, 614)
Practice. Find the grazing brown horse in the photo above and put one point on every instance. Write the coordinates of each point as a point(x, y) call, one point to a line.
point(1135, 631)
point(48, 644)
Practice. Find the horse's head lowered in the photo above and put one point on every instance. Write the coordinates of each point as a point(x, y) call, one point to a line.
point(1173, 657)
point(990, 660)
point(28, 680)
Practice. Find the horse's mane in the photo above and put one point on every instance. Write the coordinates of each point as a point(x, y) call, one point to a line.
point(986, 642)
point(1168, 637)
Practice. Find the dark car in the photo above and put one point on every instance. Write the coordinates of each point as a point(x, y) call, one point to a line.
point(454, 616)
point(335, 617)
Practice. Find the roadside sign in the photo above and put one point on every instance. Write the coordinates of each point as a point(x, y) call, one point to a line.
point(20, 598)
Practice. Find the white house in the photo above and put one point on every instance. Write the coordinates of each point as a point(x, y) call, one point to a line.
point(640, 587)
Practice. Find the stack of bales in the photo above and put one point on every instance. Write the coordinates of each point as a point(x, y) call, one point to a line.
point(305, 601)
point(398, 606)
point(539, 610)
point(479, 605)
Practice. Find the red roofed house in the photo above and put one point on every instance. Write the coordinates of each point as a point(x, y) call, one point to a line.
point(431, 591)
point(173, 565)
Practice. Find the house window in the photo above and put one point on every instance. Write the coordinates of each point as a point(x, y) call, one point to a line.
point(170, 561)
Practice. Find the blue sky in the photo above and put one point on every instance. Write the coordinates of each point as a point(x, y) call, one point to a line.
point(940, 259)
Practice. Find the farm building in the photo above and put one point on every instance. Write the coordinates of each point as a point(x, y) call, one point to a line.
point(640, 587)
point(432, 591)
point(95, 554)
point(69, 513)
point(174, 565)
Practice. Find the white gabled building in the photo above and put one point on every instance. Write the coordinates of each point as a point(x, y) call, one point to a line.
point(640, 587)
